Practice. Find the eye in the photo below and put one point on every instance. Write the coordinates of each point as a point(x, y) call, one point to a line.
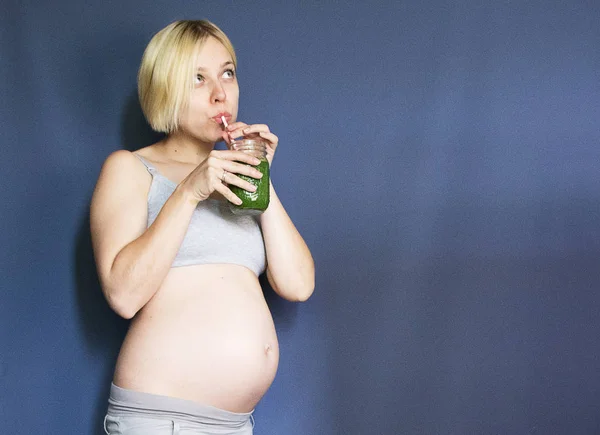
point(229, 74)
point(198, 80)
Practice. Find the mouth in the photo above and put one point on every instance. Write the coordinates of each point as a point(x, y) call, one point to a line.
point(218, 118)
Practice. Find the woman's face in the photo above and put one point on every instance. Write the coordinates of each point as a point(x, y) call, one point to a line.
point(215, 93)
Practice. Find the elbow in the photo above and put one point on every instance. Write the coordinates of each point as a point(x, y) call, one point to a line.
point(122, 307)
point(125, 312)
point(124, 295)
point(304, 292)
point(308, 286)
point(303, 296)
point(121, 303)
point(301, 292)
point(303, 286)
point(296, 287)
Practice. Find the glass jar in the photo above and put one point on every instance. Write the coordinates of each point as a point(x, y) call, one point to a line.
point(253, 203)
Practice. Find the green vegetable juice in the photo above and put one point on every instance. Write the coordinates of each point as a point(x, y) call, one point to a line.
point(253, 203)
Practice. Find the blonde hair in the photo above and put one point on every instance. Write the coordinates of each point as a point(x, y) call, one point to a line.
point(165, 77)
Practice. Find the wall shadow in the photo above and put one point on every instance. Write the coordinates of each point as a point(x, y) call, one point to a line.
point(284, 312)
point(103, 329)
point(135, 131)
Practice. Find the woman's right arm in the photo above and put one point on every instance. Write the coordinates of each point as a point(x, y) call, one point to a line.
point(133, 261)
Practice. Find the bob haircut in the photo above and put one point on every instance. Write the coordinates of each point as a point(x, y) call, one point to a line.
point(165, 77)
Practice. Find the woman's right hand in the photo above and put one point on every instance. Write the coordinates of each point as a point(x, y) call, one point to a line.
point(221, 168)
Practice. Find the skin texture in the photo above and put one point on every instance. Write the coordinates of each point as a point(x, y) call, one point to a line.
point(201, 332)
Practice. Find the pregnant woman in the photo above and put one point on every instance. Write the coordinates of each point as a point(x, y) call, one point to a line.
point(201, 349)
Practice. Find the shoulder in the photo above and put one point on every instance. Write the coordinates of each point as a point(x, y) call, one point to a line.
point(123, 170)
point(121, 159)
point(123, 163)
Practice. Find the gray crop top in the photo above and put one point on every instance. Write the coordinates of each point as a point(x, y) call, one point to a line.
point(215, 234)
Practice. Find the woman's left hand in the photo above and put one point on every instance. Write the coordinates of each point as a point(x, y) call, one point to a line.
point(239, 129)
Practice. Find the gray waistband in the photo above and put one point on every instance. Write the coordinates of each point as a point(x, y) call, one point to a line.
point(124, 402)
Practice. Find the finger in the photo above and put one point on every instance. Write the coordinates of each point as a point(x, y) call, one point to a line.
point(241, 169)
point(237, 133)
point(218, 175)
point(233, 180)
point(239, 156)
point(246, 130)
point(270, 137)
point(236, 125)
point(256, 128)
point(227, 138)
point(228, 194)
point(235, 129)
point(240, 163)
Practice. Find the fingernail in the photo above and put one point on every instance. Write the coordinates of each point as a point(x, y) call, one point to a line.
point(246, 130)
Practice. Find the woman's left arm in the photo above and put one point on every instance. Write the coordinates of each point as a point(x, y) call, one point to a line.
point(290, 270)
point(290, 266)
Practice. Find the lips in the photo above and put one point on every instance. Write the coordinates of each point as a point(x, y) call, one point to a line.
point(218, 119)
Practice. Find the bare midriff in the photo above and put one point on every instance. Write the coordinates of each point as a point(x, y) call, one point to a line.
point(207, 335)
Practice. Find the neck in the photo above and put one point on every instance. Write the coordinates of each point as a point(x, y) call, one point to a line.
point(181, 147)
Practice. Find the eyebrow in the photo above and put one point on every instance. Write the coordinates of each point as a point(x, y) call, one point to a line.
point(229, 62)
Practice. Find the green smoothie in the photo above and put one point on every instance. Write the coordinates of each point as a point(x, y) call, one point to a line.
point(253, 203)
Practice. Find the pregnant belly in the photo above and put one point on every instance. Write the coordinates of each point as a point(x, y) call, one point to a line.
point(214, 345)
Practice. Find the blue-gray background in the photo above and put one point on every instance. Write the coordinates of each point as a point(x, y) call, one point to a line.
point(441, 159)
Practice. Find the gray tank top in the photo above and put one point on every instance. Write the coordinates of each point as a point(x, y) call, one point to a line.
point(215, 234)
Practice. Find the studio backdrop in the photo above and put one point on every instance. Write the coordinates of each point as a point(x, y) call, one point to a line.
point(441, 159)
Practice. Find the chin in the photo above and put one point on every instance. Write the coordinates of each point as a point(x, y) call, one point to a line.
point(209, 138)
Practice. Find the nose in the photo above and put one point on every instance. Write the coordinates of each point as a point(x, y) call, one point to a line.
point(218, 94)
